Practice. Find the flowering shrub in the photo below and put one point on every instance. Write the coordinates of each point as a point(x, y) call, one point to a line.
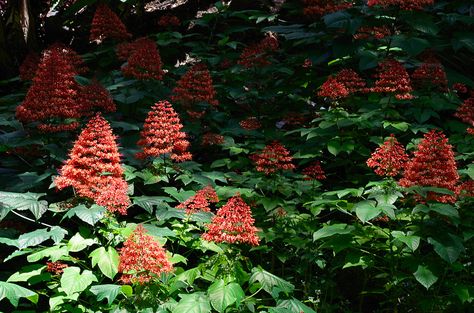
point(107, 25)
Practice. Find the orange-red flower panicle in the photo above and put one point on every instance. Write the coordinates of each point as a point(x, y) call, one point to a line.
point(233, 223)
point(333, 90)
point(142, 258)
point(200, 202)
point(144, 60)
point(314, 171)
point(250, 123)
point(107, 25)
point(162, 134)
point(257, 55)
point(272, 158)
point(430, 74)
point(195, 86)
point(388, 159)
point(465, 112)
point(96, 97)
point(393, 78)
point(93, 168)
point(211, 139)
point(433, 165)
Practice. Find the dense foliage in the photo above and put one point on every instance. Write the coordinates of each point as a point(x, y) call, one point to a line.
point(273, 156)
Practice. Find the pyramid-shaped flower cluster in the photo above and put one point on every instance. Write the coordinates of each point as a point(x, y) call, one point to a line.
point(430, 74)
point(393, 78)
point(388, 159)
point(93, 168)
point(53, 96)
point(314, 171)
point(96, 97)
point(257, 55)
point(465, 112)
point(351, 80)
point(333, 90)
point(272, 158)
point(433, 165)
point(144, 60)
point(71, 56)
point(233, 223)
point(211, 139)
point(195, 86)
point(29, 66)
point(107, 25)
point(322, 7)
point(250, 123)
point(200, 202)
point(162, 134)
point(402, 4)
point(142, 258)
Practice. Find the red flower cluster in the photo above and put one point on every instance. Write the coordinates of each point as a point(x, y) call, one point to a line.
point(250, 123)
point(431, 74)
point(467, 188)
point(314, 171)
point(55, 268)
point(144, 60)
point(210, 139)
point(377, 32)
point(71, 56)
point(93, 168)
point(257, 55)
point(95, 96)
point(142, 258)
point(162, 134)
point(53, 94)
point(388, 159)
point(465, 112)
point(460, 88)
point(307, 63)
point(273, 157)
point(433, 165)
point(351, 80)
point(200, 202)
point(195, 86)
point(29, 66)
point(322, 7)
point(168, 20)
point(233, 223)
point(393, 78)
point(402, 4)
point(333, 90)
point(107, 25)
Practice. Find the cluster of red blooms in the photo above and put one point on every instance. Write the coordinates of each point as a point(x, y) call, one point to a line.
point(351, 80)
point(29, 66)
point(273, 157)
point(53, 94)
point(433, 165)
point(460, 88)
point(210, 139)
point(314, 171)
point(250, 123)
point(377, 32)
point(322, 7)
point(168, 20)
point(431, 74)
point(142, 258)
point(55, 268)
point(107, 25)
point(256, 55)
point(93, 168)
point(307, 63)
point(95, 96)
point(402, 4)
point(388, 159)
point(144, 61)
point(333, 90)
point(233, 223)
point(195, 86)
point(162, 134)
point(200, 202)
point(71, 56)
point(467, 188)
point(393, 78)
point(465, 112)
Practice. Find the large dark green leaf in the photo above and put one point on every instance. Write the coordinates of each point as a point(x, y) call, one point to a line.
point(23, 201)
point(14, 292)
point(223, 295)
point(270, 281)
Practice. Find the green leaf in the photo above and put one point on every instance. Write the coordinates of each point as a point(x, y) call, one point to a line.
point(464, 293)
point(57, 234)
point(159, 231)
point(24, 276)
point(196, 302)
point(411, 241)
point(78, 243)
point(222, 295)
point(54, 253)
point(14, 292)
point(269, 281)
point(73, 281)
point(148, 203)
point(448, 248)
point(425, 277)
point(89, 215)
point(366, 210)
point(334, 147)
point(33, 238)
point(331, 230)
point(108, 291)
point(24, 201)
point(108, 261)
point(295, 306)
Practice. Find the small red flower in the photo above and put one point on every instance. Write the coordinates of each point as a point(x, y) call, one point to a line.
point(168, 20)
point(257, 55)
point(250, 123)
point(274, 157)
point(107, 25)
point(430, 74)
point(393, 78)
point(162, 134)
point(56, 268)
point(465, 112)
point(322, 7)
point(29, 66)
point(307, 63)
point(314, 171)
point(377, 32)
point(200, 202)
point(93, 168)
point(388, 159)
point(433, 165)
point(351, 80)
point(402, 4)
point(211, 139)
point(96, 97)
point(460, 88)
point(233, 223)
point(195, 86)
point(467, 188)
point(142, 258)
point(333, 90)
point(144, 60)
